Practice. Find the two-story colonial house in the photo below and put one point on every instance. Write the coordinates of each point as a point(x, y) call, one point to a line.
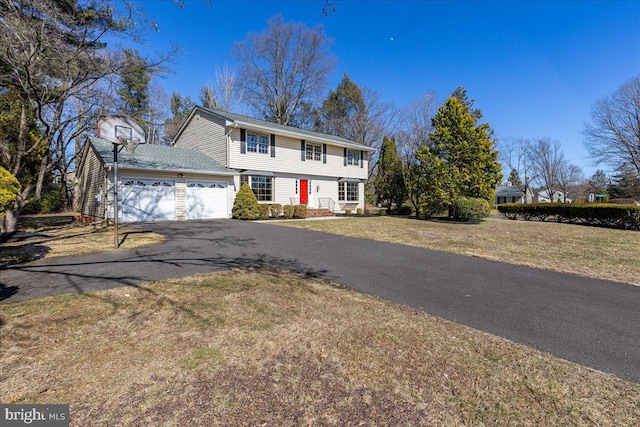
point(212, 155)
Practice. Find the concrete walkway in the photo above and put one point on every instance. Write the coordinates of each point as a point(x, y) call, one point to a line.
point(592, 322)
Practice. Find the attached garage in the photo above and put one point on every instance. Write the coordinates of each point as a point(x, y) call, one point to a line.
point(156, 183)
point(206, 199)
point(148, 200)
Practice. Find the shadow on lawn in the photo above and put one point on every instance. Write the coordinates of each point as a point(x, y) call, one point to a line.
point(21, 254)
point(135, 267)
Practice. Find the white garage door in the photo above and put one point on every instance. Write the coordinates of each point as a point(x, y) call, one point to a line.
point(206, 199)
point(148, 200)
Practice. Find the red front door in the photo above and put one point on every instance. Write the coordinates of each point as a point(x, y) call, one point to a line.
point(304, 191)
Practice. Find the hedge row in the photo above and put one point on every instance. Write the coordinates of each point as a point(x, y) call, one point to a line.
point(246, 207)
point(601, 214)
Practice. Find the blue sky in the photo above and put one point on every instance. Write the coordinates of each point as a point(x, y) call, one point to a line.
point(534, 68)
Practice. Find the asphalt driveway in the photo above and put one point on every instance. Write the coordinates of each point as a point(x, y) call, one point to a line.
point(592, 322)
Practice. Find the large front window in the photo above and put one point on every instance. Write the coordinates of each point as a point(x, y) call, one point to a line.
point(348, 192)
point(353, 158)
point(314, 152)
point(262, 186)
point(257, 143)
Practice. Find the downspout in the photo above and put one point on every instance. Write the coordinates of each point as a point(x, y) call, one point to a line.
point(228, 135)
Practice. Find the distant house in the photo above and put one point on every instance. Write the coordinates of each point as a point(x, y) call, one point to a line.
point(213, 154)
point(557, 196)
point(512, 194)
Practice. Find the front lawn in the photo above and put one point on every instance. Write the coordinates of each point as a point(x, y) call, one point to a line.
point(270, 348)
point(47, 236)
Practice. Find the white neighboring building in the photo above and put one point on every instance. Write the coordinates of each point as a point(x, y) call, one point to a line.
point(556, 197)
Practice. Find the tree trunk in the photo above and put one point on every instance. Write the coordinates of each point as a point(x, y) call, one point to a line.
point(9, 223)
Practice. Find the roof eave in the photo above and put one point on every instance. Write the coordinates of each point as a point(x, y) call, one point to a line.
point(122, 167)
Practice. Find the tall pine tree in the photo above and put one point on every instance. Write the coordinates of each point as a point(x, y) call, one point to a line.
point(462, 162)
point(389, 184)
point(134, 86)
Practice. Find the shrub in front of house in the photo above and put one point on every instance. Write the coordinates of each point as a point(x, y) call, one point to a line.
point(264, 211)
point(300, 211)
point(276, 210)
point(245, 205)
point(470, 209)
point(359, 211)
point(288, 211)
point(347, 212)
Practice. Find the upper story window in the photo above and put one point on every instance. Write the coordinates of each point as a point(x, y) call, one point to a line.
point(257, 143)
point(353, 157)
point(314, 152)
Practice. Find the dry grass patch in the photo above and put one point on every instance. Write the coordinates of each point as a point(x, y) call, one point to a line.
point(271, 348)
point(57, 235)
point(588, 251)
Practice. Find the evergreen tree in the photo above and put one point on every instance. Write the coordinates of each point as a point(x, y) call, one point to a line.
point(599, 181)
point(461, 94)
point(246, 205)
point(626, 184)
point(134, 85)
point(389, 184)
point(9, 189)
point(342, 109)
point(514, 179)
point(465, 161)
point(181, 107)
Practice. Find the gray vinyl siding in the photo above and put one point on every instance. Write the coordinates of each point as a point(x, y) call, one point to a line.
point(205, 133)
point(92, 182)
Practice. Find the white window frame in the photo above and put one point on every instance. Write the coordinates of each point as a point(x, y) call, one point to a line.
point(313, 152)
point(348, 195)
point(255, 186)
point(353, 157)
point(257, 143)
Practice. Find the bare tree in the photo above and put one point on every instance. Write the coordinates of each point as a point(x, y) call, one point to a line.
point(613, 136)
point(358, 114)
point(377, 119)
point(569, 178)
point(283, 67)
point(416, 125)
point(157, 113)
point(547, 160)
point(224, 93)
point(52, 55)
point(516, 154)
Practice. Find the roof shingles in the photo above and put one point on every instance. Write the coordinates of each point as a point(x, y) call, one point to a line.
point(290, 129)
point(160, 158)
